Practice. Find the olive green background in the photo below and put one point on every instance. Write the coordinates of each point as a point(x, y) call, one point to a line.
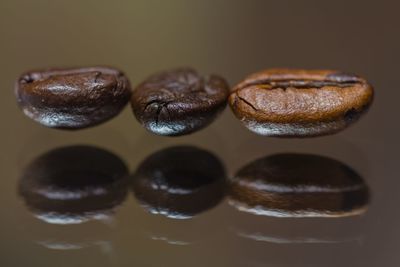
point(233, 39)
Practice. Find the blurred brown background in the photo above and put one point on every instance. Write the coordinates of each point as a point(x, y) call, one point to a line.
point(233, 39)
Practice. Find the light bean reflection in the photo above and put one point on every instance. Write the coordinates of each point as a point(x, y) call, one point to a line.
point(298, 185)
point(299, 199)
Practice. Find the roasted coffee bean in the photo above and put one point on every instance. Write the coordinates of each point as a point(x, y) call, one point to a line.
point(72, 98)
point(298, 185)
point(179, 102)
point(74, 184)
point(179, 182)
point(300, 103)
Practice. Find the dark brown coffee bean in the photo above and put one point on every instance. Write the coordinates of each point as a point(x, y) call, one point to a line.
point(179, 102)
point(300, 103)
point(180, 182)
point(72, 98)
point(298, 185)
point(74, 184)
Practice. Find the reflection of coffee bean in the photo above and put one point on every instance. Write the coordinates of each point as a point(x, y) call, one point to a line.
point(179, 102)
point(291, 103)
point(180, 182)
point(296, 185)
point(72, 98)
point(74, 184)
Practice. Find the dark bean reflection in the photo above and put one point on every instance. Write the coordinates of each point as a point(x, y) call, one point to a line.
point(74, 184)
point(180, 182)
point(299, 185)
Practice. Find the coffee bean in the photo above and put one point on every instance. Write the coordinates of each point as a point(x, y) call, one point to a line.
point(74, 184)
point(300, 103)
point(72, 98)
point(179, 102)
point(299, 185)
point(180, 182)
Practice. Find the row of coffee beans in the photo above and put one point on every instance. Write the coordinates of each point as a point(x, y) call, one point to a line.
point(274, 102)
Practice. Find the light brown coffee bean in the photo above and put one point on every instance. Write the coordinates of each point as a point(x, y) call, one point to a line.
point(300, 103)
